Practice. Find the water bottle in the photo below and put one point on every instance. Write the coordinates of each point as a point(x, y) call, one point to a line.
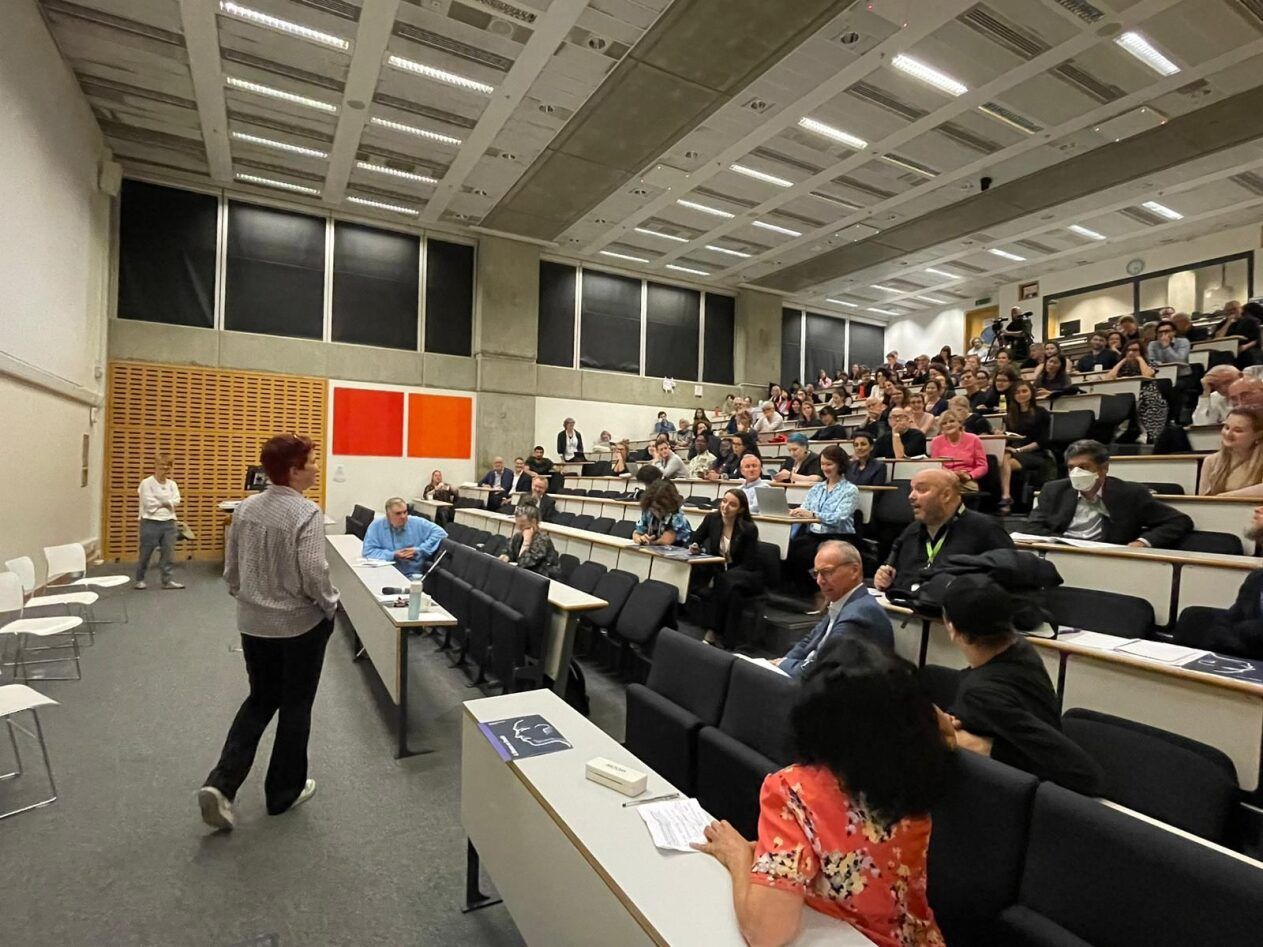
point(414, 600)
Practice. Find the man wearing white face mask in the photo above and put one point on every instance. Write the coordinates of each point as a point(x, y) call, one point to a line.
point(1090, 504)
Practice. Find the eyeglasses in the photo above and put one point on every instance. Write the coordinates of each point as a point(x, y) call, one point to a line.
point(822, 573)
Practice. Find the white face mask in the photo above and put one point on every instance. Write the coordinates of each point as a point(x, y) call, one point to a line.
point(1082, 480)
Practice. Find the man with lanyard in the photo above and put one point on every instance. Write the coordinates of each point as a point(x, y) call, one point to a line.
point(943, 528)
point(408, 541)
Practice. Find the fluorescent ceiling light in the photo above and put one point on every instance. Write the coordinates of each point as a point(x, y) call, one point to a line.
point(395, 172)
point(657, 233)
point(775, 229)
point(760, 175)
point(1007, 255)
point(931, 299)
point(943, 273)
point(929, 75)
point(382, 205)
point(1145, 51)
point(1085, 232)
point(279, 145)
point(885, 289)
point(686, 269)
point(884, 312)
point(281, 185)
point(439, 75)
point(623, 256)
point(842, 302)
point(259, 18)
point(1010, 118)
point(713, 211)
point(719, 249)
point(828, 131)
point(909, 166)
point(1162, 210)
point(259, 89)
point(413, 130)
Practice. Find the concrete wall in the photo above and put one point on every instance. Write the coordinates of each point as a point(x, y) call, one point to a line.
point(54, 242)
point(757, 340)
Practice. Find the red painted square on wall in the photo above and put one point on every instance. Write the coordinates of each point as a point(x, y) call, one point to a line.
point(367, 423)
point(440, 426)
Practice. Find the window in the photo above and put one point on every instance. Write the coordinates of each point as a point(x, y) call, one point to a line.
point(274, 281)
point(557, 283)
point(826, 346)
point(868, 345)
point(449, 297)
point(791, 346)
point(609, 332)
point(375, 279)
point(672, 323)
point(166, 255)
point(717, 344)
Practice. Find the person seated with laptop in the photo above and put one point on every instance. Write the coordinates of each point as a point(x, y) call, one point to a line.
point(802, 465)
point(1005, 706)
point(832, 502)
point(1090, 504)
point(407, 541)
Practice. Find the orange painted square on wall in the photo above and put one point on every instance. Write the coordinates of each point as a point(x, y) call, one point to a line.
point(440, 426)
point(367, 423)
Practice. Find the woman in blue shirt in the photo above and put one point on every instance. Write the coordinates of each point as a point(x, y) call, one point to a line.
point(833, 503)
point(661, 523)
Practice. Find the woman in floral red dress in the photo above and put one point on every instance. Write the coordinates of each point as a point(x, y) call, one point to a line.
point(847, 828)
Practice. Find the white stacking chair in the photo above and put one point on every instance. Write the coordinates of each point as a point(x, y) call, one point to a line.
point(15, 699)
point(24, 568)
point(70, 559)
point(12, 600)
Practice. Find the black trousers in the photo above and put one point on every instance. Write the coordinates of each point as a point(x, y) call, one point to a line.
point(284, 674)
point(722, 595)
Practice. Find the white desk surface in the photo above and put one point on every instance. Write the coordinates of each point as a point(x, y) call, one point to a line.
point(680, 898)
point(375, 578)
point(422, 501)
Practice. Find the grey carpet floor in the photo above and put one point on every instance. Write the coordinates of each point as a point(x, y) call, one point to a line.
point(376, 857)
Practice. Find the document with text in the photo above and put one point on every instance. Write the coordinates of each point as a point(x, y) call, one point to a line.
point(675, 823)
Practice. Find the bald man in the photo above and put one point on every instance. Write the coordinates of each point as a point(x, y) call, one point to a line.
point(1246, 393)
point(943, 528)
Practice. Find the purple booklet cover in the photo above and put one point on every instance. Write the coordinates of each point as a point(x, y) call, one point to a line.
point(516, 738)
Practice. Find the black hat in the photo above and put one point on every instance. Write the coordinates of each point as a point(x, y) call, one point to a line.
point(979, 607)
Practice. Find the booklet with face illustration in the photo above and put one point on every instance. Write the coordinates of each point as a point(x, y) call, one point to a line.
point(517, 738)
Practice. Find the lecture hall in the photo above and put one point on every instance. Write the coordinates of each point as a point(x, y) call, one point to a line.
point(631, 472)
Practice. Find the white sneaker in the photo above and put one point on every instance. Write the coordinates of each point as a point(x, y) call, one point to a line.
point(172, 585)
point(309, 790)
point(216, 809)
point(140, 585)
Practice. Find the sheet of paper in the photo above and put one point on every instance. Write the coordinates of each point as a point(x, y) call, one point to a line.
point(763, 663)
point(675, 823)
point(1032, 538)
point(373, 563)
point(1161, 651)
point(1093, 639)
point(1087, 543)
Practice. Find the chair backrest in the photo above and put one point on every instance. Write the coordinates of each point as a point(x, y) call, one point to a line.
point(528, 595)
point(602, 524)
point(1111, 613)
point(770, 563)
point(67, 559)
point(24, 568)
point(499, 578)
point(1202, 540)
point(700, 502)
point(615, 587)
point(566, 564)
point(496, 545)
point(1115, 409)
point(362, 513)
point(1069, 426)
point(651, 605)
point(756, 710)
point(691, 674)
point(12, 597)
point(1166, 489)
point(623, 529)
point(583, 521)
point(563, 518)
point(602, 468)
point(1179, 781)
point(585, 576)
point(892, 506)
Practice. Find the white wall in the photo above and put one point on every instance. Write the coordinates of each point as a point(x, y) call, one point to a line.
point(924, 333)
point(370, 481)
point(54, 240)
point(592, 417)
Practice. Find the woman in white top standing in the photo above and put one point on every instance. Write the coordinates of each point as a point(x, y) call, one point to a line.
point(159, 496)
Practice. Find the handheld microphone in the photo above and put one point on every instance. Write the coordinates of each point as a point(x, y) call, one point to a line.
point(388, 590)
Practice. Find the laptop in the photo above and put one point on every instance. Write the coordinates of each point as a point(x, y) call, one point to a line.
point(772, 501)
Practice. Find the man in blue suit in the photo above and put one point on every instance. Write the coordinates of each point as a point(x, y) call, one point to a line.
point(499, 479)
point(839, 573)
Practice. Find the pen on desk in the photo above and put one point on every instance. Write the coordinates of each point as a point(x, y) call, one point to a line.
point(641, 802)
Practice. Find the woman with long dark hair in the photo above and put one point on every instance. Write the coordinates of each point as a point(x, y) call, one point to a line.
point(661, 523)
point(728, 532)
point(1053, 375)
point(845, 829)
point(1027, 451)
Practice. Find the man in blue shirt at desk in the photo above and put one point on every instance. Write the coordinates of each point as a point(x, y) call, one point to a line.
point(408, 541)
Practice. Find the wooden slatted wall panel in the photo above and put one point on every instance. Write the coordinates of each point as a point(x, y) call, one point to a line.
point(212, 422)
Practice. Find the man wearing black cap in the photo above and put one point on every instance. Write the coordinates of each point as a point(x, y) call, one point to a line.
point(1005, 706)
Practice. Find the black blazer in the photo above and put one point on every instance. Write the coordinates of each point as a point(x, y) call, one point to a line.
point(561, 444)
point(1239, 631)
point(913, 444)
point(502, 481)
point(810, 467)
point(1134, 514)
point(521, 484)
point(744, 548)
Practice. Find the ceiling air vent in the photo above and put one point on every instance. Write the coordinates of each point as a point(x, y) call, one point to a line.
point(1087, 83)
point(981, 237)
point(863, 188)
point(481, 19)
point(837, 201)
point(875, 96)
point(116, 91)
point(509, 11)
point(346, 11)
point(665, 226)
point(1009, 117)
point(963, 136)
point(967, 267)
point(799, 218)
point(999, 30)
point(456, 48)
point(425, 111)
point(769, 155)
point(281, 169)
point(110, 21)
point(132, 161)
point(903, 284)
point(1250, 181)
point(1036, 247)
point(385, 194)
point(1143, 216)
point(277, 69)
point(1082, 9)
point(262, 121)
point(716, 195)
point(401, 162)
point(148, 136)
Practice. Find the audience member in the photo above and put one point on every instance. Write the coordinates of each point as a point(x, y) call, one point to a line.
point(846, 829)
point(1100, 358)
point(943, 528)
point(1115, 342)
point(683, 435)
point(1090, 504)
point(1028, 426)
point(529, 546)
point(540, 498)
point(727, 465)
point(604, 444)
point(1213, 406)
point(538, 463)
point(801, 465)
point(807, 415)
point(903, 440)
point(1151, 408)
point(436, 481)
point(874, 417)
point(970, 419)
point(498, 477)
point(1128, 329)
point(701, 460)
point(722, 590)
point(522, 477)
point(619, 465)
point(823, 380)
point(831, 430)
point(932, 396)
point(407, 541)
point(159, 496)
point(865, 469)
point(969, 389)
point(962, 452)
point(918, 417)
point(1186, 330)
point(569, 442)
point(1052, 375)
point(661, 523)
point(1237, 630)
point(1005, 705)
point(670, 464)
point(750, 471)
point(645, 475)
point(662, 425)
point(940, 374)
point(1004, 360)
point(832, 502)
point(769, 420)
point(1243, 321)
point(977, 348)
point(1236, 469)
point(997, 396)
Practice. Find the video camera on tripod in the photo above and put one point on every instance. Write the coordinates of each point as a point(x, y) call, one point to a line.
point(1017, 336)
